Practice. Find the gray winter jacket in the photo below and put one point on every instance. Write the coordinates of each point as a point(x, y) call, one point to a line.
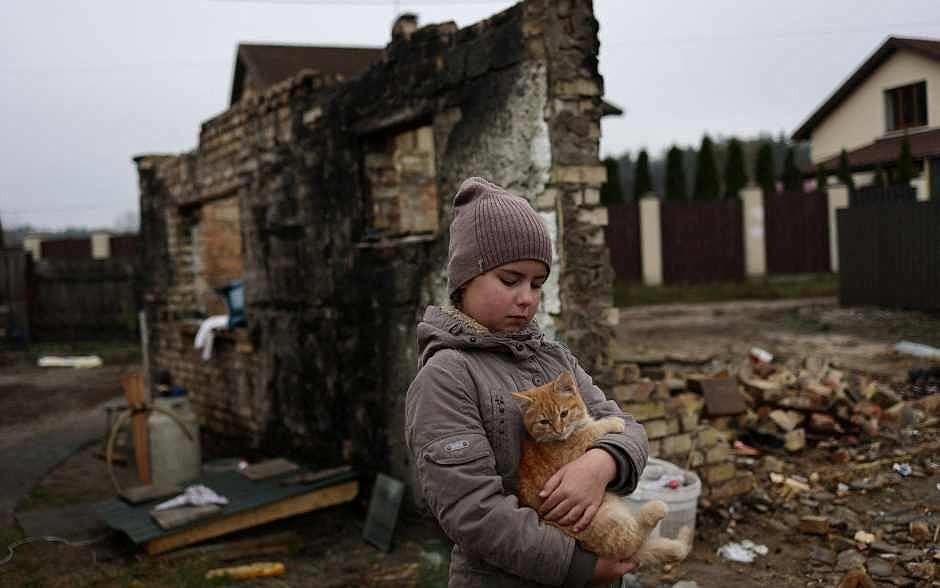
point(465, 432)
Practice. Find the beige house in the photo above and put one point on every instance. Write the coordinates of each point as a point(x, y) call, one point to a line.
point(896, 91)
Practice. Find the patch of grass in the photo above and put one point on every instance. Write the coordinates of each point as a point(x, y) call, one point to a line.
point(803, 286)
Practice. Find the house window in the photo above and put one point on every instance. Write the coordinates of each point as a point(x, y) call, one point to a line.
point(906, 106)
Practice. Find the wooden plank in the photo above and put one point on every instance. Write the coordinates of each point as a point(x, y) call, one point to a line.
point(133, 385)
point(146, 493)
point(269, 468)
point(183, 515)
point(267, 513)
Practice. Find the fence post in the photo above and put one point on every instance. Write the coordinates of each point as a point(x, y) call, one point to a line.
point(100, 245)
point(752, 217)
point(651, 241)
point(838, 197)
point(33, 244)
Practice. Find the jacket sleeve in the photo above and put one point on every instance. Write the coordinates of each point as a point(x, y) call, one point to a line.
point(629, 449)
point(456, 470)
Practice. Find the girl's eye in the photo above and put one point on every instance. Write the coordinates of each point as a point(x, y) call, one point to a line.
point(564, 413)
point(537, 285)
point(507, 282)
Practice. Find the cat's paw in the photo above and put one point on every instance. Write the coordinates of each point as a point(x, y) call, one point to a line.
point(653, 512)
point(613, 424)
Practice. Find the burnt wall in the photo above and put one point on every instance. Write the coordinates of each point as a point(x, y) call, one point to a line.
point(343, 194)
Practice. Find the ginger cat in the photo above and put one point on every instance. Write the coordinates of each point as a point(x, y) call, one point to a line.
point(561, 430)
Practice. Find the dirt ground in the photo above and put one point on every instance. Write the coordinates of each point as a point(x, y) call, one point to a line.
point(873, 497)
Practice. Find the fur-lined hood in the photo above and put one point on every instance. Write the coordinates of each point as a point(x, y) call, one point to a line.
point(446, 327)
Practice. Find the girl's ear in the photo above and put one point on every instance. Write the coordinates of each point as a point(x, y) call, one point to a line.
point(523, 398)
point(564, 384)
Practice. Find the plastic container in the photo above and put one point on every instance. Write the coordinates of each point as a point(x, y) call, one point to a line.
point(174, 457)
point(681, 501)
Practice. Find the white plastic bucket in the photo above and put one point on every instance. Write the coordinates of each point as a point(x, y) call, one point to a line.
point(681, 501)
point(175, 458)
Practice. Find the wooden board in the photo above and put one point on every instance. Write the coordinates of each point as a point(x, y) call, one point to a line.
point(300, 503)
point(269, 468)
point(183, 515)
point(138, 494)
point(133, 384)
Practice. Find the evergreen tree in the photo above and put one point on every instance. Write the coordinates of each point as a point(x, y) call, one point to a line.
point(735, 171)
point(707, 184)
point(676, 188)
point(642, 180)
point(845, 172)
point(879, 180)
point(612, 190)
point(791, 177)
point(905, 163)
point(822, 178)
point(764, 168)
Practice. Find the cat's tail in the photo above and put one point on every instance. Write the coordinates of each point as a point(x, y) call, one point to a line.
point(659, 550)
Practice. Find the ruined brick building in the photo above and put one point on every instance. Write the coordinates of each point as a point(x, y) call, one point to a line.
point(329, 195)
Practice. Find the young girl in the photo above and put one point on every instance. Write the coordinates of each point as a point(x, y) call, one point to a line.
point(465, 430)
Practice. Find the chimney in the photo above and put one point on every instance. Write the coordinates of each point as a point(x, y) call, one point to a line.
point(404, 26)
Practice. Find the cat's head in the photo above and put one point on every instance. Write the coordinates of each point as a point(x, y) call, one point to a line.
point(553, 411)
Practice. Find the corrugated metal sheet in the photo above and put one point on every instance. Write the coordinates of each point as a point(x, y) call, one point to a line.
point(889, 255)
point(243, 495)
point(796, 233)
point(702, 241)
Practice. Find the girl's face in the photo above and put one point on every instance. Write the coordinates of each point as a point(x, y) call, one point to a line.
point(505, 298)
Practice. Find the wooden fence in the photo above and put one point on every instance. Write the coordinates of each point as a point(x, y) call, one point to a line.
point(623, 239)
point(702, 241)
point(889, 255)
point(796, 233)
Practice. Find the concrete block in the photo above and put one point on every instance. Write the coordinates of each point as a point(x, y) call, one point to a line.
point(579, 174)
point(707, 438)
point(736, 486)
point(655, 429)
point(718, 454)
point(646, 411)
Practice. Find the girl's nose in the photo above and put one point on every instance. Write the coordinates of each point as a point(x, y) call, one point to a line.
point(528, 296)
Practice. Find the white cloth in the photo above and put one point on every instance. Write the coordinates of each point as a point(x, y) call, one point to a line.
point(205, 335)
point(197, 495)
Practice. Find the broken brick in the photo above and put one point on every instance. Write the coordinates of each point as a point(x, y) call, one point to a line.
point(814, 525)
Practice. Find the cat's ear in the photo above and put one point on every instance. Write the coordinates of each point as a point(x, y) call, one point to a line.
point(524, 398)
point(564, 384)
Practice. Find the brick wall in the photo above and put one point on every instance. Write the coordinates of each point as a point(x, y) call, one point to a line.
point(339, 196)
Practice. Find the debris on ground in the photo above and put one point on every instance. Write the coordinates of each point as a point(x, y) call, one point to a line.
point(79, 361)
point(248, 571)
point(743, 552)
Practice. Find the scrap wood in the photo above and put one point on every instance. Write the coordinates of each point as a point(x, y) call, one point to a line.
point(269, 468)
point(177, 517)
point(245, 572)
point(270, 544)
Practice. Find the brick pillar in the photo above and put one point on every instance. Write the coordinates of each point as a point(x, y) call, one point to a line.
point(752, 215)
point(838, 196)
point(651, 246)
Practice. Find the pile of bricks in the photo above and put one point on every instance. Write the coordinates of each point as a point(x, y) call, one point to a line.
point(680, 429)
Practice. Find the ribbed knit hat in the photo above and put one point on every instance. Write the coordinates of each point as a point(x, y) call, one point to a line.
point(492, 227)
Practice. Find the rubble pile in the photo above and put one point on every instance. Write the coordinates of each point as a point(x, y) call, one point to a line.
point(814, 450)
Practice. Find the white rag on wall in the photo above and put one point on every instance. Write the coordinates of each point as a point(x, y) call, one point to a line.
point(206, 334)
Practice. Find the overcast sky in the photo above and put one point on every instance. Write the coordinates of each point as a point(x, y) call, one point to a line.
point(90, 84)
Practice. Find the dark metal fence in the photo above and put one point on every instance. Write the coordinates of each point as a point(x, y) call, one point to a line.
point(702, 241)
point(623, 240)
point(79, 248)
point(796, 233)
point(873, 196)
point(889, 255)
point(14, 294)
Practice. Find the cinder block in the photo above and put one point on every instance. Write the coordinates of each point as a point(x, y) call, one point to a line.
point(645, 411)
point(740, 484)
point(656, 429)
point(707, 438)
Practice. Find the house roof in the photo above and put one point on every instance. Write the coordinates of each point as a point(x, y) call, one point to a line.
point(925, 47)
point(886, 151)
point(270, 64)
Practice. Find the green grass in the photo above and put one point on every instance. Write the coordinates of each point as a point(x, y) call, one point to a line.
point(803, 286)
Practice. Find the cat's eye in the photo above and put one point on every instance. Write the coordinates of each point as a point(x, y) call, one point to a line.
point(564, 413)
point(545, 422)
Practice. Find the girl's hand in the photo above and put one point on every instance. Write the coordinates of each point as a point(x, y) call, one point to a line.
point(573, 494)
point(610, 569)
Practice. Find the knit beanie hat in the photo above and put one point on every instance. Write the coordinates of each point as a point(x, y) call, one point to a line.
point(492, 227)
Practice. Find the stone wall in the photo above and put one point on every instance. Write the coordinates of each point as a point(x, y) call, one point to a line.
point(334, 198)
